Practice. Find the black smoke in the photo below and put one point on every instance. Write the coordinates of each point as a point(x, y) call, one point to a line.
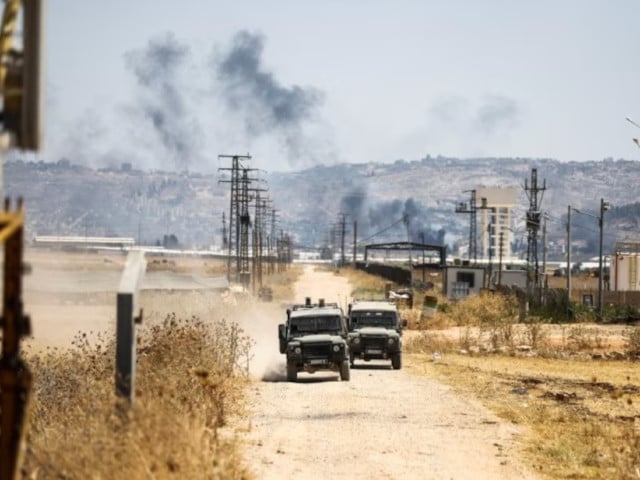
point(393, 221)
point(162, 103)
point(497, 113)
point(265, 106)
point(353, 203)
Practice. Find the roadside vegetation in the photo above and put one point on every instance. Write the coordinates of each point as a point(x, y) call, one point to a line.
point(365, 285)
point(190, 381)
point(574, 388)
point(191, 378)
point(281, 283)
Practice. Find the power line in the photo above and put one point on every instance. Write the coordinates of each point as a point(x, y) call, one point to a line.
point(381, 231)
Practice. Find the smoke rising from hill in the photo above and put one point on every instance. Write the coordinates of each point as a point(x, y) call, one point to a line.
point(496, 113)
point(264, 105)
point(176, 97)
point(161, 103)
point(375, 217)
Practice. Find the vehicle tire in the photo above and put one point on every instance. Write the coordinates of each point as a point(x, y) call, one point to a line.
point(345, 373)
point(292, 372)
point(396, 361)
point(352, 358)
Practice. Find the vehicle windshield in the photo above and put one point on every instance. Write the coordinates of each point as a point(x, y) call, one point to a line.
point(320, 324)
point(373, 319)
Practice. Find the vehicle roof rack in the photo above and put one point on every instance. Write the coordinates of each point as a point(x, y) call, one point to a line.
point(387, 300)
point(303, 306)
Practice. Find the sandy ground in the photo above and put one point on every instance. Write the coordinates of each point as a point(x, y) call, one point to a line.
point(382, 424)
point(68, 293)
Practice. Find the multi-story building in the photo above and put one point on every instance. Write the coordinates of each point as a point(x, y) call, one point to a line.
point(495, 207)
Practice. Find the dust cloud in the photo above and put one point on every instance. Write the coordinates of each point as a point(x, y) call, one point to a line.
point(260, 323)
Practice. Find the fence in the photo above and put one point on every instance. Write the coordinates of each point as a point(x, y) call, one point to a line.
point(398, 275)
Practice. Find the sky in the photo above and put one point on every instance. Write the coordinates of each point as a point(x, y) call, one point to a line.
point(171, 85)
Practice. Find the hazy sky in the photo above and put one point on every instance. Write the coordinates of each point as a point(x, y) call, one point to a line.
point(295, 83)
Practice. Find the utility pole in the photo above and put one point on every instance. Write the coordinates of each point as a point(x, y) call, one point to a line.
point(569, 262)
point(490, 258)
point(272, 243)
point(245, 222)
point(471, 209)
point(234, 209)
point(355, 241)
point(544, 252)
point(224, 233)
point(533, 225)
point(423, 264)
point(604, 206)
point(500, 245)
point(343, 231)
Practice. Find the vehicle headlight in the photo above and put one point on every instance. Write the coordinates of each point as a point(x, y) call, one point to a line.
point(392, 341)
point(297, 351)
point(336, 348)
point(356, 340)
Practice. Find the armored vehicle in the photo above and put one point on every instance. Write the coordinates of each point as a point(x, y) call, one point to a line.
point(375, 331)
point(314, 338)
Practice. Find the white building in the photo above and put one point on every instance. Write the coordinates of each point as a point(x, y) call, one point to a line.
point(495, 207)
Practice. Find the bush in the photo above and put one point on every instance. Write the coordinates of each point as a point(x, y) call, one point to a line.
point(632, 340)
point(190, 378)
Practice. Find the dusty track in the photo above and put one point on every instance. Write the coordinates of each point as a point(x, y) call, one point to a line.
point(381, 424)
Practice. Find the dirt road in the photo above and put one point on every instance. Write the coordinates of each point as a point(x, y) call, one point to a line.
point(383, 424)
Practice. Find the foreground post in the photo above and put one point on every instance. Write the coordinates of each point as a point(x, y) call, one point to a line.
point(15, 377)
point(127, 303)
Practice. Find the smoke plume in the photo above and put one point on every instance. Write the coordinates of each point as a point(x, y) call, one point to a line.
point(161, 105)
point(264, 105)
point(497, 113)
point(374, 217)
point(353, 203)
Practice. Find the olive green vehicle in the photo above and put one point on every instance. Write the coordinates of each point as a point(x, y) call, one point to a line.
point(375, 332)
point(314, 338)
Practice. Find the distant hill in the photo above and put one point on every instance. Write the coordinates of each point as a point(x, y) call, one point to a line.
point(404, 197)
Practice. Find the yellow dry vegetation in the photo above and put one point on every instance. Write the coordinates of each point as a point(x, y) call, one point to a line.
point(366, 286)
point(190, 381)
point(281, 283)
point(580, 415)
point(580, 419)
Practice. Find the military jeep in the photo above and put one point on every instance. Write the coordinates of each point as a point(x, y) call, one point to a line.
point(375, 332)
point(314, 338)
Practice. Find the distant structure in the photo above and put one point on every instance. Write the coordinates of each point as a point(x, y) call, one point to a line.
point(495, 220)
point(83, 242)
point(625, 267)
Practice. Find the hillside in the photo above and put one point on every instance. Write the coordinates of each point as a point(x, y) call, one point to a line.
point(63, 198)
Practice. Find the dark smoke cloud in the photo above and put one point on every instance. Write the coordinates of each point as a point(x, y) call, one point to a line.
point(162, 103)
point(373, 218)
point(497, 113)
point(492, 115)
point(353, 203)
point(265, 106)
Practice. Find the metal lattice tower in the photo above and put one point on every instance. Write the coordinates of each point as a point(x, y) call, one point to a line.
point(233, 242)
point(471, 209)
point(259, 229)
point(244, 224)
point(343, 232)
point(272, 242)
point(533, 225)
point(224, 232)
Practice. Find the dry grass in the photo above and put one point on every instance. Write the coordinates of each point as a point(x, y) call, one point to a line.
point(366, 286)
point(190, 381)
point(581, 419)
point(281, 283)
